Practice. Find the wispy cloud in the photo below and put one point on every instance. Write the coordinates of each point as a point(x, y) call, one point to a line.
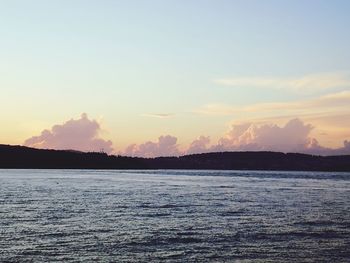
point(307, 83)
point(339, 101)
point(217, 109)
point(158, 115)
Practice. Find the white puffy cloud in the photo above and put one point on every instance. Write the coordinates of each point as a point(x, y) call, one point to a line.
point(81, 134)
point(165, 146)
point(315, 148)
point(293, 137)
point(199, 145)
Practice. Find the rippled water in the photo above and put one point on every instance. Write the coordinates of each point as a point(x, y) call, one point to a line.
point(174, 216)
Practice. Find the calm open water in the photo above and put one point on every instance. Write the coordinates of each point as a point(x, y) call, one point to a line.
point(174, 216)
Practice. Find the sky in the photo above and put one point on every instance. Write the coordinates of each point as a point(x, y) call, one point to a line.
point(151, 78)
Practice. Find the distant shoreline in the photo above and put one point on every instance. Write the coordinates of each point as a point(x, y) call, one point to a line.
point(20, 157)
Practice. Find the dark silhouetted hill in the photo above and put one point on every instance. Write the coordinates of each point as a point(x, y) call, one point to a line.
point(25, 157)
point(30, 158)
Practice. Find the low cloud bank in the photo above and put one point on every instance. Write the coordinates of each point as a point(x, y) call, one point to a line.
point(317, 149)
point(165, 146)
point(200, 145)
point(81, 134)
point(294, 136)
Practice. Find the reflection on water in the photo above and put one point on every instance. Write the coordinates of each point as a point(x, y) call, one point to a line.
point(174, 216)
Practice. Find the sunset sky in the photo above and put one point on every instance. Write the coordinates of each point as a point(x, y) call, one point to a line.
point(153, 78)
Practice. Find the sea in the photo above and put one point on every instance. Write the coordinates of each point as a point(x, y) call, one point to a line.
point(174, 216)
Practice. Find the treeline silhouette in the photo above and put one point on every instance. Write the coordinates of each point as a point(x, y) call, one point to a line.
point(29, 158)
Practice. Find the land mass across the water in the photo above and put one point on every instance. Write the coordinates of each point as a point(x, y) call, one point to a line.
point(20, 157)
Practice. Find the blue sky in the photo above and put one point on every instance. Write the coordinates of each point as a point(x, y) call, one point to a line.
point(123, 62)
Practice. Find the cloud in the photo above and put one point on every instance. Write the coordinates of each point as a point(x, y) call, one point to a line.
point(315, 148)
point(293, 137)
point(333, 100)
point(199, 145)
point(81, 134)
point(311, 82)
point(216, 109)
point(165, 146)
point(337, 101)
point(158, 115)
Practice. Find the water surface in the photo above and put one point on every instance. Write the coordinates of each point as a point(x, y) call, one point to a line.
point(174, 216)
